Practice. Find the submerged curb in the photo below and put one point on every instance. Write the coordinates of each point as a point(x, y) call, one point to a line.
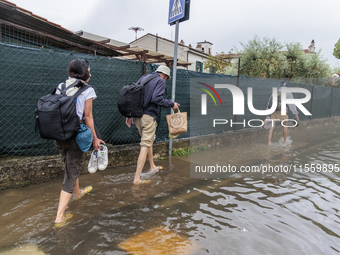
point(38, 169)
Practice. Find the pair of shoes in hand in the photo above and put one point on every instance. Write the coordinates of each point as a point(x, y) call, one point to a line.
point(98, 160)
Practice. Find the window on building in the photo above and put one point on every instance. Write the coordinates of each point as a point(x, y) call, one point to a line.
point(199, 67)
point(202, 49)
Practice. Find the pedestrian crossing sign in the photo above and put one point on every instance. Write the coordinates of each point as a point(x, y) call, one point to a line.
point(176, 10)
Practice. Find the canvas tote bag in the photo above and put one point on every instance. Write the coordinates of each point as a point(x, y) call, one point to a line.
point(177, 123)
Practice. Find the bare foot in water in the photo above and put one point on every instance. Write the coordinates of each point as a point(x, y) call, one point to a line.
point(156, 169)
point(63, 221)
point(141, 182)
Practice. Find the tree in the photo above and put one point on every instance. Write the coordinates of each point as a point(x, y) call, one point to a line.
point(295, 60)
point(261, 58)
point(317, 67)
point(268, 58)
point(336, 69)
point(218, 63)
point(336, 51)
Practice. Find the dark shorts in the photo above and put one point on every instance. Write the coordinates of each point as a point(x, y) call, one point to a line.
point(73, 160)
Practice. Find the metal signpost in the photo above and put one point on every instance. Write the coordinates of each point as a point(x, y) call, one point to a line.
point(178, 12)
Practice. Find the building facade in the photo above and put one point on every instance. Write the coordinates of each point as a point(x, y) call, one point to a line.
point(195, 56)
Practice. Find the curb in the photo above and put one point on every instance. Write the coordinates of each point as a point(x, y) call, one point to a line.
point(42, 169)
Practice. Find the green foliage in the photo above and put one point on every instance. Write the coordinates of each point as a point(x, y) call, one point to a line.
point(336, 51)
point(219, 63)
point(261, 58)
point(181, 152)
point(187, 151)
point(295, 60)
point(268, 58)
point(317, 66)
point(336, 69)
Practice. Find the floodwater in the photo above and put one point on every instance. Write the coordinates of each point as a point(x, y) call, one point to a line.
point(252, 213)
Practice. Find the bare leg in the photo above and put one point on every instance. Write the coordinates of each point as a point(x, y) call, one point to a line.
point(270, 134)
point(65, 199)
point(150, 157)
point(63, 202)
point(76, 190)
point(140, 164)
point(285, 134)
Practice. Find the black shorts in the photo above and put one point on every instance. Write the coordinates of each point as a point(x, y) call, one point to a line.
point(73, 159)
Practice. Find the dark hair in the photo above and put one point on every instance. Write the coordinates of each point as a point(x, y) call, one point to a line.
point(78, 68)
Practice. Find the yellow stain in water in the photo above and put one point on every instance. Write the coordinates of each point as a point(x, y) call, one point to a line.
point(158, 241)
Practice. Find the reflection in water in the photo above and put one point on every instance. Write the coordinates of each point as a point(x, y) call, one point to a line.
point(271, 213)
point(158, 241)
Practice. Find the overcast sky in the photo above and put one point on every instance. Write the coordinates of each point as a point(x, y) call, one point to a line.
point(223, 23)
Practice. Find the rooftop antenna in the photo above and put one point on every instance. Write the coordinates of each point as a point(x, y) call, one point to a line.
point(136, 29)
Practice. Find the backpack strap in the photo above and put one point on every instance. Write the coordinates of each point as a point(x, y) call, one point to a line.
point(140, 78)
point(148, 79)
point(81, 90)
point(57, 89)
point(63, 88)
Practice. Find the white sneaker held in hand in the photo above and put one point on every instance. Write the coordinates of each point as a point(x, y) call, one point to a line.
point(102, 157)
point(93, 162)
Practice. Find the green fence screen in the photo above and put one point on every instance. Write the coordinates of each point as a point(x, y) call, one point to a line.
point(27, 73)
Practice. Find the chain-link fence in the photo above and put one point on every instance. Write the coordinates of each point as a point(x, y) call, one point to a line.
point(27, 73)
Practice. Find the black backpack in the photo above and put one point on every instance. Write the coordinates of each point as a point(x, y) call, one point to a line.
point(56, 115)
point(131, 98)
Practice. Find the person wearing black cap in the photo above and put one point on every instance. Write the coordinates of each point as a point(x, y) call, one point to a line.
point(276, 116)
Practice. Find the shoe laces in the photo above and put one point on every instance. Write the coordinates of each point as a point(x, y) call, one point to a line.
point(100, 160)
point(94, 157)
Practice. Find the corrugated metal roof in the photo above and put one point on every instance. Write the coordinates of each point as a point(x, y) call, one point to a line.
point(135, 53)
point(9, 12)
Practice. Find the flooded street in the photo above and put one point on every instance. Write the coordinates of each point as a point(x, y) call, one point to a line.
point(249, 213)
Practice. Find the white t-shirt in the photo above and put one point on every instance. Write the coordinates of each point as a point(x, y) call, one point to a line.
point(80, 106)
point(87, 94)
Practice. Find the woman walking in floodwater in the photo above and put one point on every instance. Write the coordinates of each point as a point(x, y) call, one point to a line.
point(78, 71)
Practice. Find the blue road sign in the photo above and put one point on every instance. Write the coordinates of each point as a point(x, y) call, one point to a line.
point(176, 10)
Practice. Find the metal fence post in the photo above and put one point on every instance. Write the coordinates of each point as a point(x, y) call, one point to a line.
point(174, 77)
point(311, 104)
point(331, 102)
point(238, 72)
point(238, 85)
point(144, 62)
